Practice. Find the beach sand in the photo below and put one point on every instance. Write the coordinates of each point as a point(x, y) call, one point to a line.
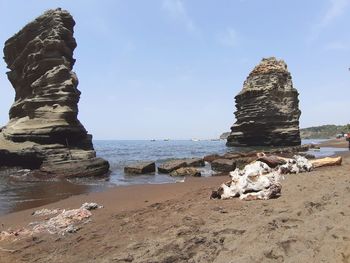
point(310, 222)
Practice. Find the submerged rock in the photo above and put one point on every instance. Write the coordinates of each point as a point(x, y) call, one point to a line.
point(43, 132)
point(186, 171)
point(211, 157)
point(195, 162)
point(267, 108)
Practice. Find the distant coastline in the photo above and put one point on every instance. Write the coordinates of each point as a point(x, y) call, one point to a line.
point(324, 131)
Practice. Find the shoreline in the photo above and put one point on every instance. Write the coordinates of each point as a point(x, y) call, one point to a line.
point(334, 143)
point(178, 222)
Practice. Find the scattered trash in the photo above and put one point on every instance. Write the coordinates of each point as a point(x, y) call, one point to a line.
point(180, 180)
point(45, 212)
point(64, 221)
point(258, 180)
point(61, 223)
point(91, 206)
point(298, 164)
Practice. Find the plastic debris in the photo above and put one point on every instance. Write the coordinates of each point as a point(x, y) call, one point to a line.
point(64, 221)
point(45, 212)
point(91, 206)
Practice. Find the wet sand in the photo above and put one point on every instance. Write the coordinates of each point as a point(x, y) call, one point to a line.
point(310, 222)
point(335, 143)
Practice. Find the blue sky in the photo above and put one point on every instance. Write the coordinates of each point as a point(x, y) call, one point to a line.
point(171, 68)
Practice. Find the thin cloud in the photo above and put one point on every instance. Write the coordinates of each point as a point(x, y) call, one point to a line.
point(229, 38)
point(177, 11)
point(336, 9)
point(337, 46)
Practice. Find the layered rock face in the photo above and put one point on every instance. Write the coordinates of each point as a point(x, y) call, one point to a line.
point(267, 108)
point(44, 132)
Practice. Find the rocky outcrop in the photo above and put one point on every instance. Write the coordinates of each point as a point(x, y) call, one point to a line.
point(267, 108)
point(140, 168)
point(44, 132)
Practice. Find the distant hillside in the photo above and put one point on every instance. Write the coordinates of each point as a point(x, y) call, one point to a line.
point(323, 132)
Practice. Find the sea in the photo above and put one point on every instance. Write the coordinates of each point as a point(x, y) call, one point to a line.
point(18, 191)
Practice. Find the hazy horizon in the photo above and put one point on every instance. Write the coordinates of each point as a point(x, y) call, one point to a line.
point(171, 68)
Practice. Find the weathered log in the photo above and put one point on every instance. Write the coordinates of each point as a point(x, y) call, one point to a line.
point(272, 160)
point(327, 161)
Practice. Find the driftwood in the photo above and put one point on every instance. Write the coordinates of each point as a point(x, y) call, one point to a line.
point(272, 160)
point(327, 161)
point(256, 181)
point(261, 179)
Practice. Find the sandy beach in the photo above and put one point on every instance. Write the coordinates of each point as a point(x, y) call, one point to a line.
point(179, 223)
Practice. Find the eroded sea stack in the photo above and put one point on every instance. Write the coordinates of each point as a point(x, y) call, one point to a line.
point(267, 108)
point(44, 132)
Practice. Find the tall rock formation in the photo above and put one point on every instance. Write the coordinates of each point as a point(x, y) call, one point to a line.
point(44, 132)
point(267, 108)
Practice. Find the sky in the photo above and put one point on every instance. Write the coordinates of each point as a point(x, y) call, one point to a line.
point(170, 68)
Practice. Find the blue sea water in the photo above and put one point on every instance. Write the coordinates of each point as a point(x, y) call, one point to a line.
point(121, 153)
point(18, 192)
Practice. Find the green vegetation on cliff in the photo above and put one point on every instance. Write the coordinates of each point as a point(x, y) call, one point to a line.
point(324, 131)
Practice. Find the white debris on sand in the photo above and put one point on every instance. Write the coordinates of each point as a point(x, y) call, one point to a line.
point(63, 222)
point(66, 221)
point(258, 181)
point(91, 206)
point(45, 212)
point(298, 164)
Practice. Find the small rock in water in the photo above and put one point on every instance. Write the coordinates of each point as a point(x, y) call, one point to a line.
point(186, 171)
point(140, 168)
point(223, 165)
point(195, 162)
point(170, 166)
point(211, 157)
